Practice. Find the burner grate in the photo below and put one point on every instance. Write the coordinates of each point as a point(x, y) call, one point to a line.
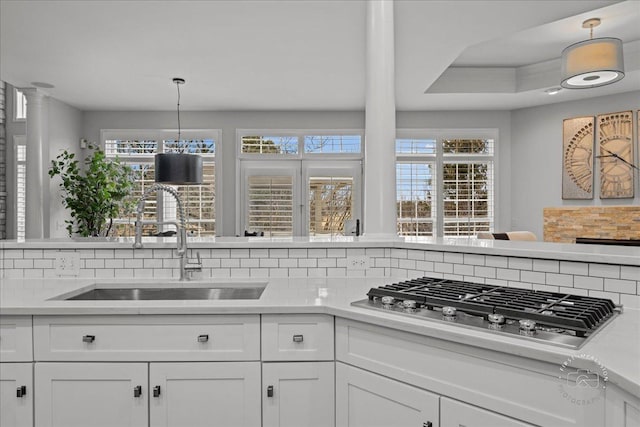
point(581, 314)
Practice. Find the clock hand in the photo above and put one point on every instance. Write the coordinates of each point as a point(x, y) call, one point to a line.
point(614, 155)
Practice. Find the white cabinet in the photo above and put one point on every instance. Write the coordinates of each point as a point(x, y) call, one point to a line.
point(297, 337)
point(456, 414)
point(364, 399)
point(16, 394)
point(15, 339)
point(90, 394)
point(298, 394)
point(224, 394)
point(622, 409)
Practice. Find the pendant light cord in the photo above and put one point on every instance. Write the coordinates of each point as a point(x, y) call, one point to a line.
point(179, 130)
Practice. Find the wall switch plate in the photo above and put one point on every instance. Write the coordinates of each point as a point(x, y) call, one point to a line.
point(67, 264)
point(360, 262)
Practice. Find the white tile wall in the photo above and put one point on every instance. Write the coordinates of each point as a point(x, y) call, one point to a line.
point(620, 283)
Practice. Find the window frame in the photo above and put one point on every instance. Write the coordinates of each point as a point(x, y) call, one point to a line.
point(18, 94)
point(168, 134)
point(300, 163)
point(440, 158)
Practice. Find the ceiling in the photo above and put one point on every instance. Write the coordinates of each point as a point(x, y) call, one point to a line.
point(302, 55)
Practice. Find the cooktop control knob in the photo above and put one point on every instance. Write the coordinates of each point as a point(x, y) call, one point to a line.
point(409, 305)
point(527, 327)
point(449, 313)
point(387, 302)
point(496, 321)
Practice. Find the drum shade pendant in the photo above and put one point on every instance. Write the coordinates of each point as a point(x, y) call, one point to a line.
point(592, 63)
point(178, 168)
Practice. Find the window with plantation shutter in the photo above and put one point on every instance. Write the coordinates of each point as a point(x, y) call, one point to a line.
point(20, 144)
point(299, 182)
point(137, 148)
point(270, 205)
point(445, 184)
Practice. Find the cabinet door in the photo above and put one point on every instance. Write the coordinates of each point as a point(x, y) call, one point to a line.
point(368, 400)
point(456, 414)
point(225, 394)
point(16, 394)
point(298, 394)
point(90, 394)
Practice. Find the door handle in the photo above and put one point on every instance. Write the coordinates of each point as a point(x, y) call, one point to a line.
point(270, 391)
point(137, 391)
point(203, 338)
point(156, 391)
point(298, 338)
point(21, 391)
point(88, 338)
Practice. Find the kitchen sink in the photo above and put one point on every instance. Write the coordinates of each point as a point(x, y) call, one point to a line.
point(170, 291)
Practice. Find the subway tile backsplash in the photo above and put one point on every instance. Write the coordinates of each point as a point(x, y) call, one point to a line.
point(620, 283)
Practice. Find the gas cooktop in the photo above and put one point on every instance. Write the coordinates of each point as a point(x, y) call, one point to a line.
point(556, 318)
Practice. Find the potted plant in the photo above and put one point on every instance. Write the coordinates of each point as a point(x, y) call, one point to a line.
point(95, 193)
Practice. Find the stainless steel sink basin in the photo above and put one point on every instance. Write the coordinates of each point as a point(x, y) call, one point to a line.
point(231, 291)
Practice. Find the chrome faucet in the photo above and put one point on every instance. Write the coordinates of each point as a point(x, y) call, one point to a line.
point(186, 267)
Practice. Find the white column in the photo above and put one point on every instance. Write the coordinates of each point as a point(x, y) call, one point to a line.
point(37, 116)
point(380, 123)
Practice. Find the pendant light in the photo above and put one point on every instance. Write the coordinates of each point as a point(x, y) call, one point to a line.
point(592, 63)
point(178, 168)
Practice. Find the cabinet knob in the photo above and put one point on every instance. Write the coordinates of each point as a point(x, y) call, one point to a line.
point(21, 391)
point(137, 391)
point(203, 338)
point(88, 338)
point(156, 391)
point(427, 424)
point(270, 391)
point(298, 338)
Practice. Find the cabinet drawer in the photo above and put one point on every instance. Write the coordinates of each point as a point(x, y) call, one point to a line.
point(297, 337)
point(147, 338)
point(15, 339)
point(456, 414)
point(481, 377)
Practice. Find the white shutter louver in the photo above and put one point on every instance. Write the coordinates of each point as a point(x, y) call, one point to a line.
point(270, 205)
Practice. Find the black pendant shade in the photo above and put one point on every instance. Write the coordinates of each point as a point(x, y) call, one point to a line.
point(178, 168)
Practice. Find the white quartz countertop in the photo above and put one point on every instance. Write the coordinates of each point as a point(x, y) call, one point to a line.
point(616, 347)
point(608, 254)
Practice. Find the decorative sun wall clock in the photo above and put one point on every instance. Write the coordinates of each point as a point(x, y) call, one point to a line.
point(615, 153)
point(577, 158)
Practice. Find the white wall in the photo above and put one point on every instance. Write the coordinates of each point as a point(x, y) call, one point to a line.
point(65, 131)
point(536, 157)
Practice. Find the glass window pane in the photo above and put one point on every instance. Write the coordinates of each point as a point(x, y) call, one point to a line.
point(333, 144)
point(415, 146)
point(130, 148)
point(270, 209)
point(330, 204)
point(415, 198)
point(270, 144)
point(467, 146)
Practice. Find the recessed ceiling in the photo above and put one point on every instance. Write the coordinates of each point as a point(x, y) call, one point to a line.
point(291, 55)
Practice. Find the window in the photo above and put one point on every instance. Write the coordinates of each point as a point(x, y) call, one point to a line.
point(137, 149)
point(444, 182)
point(19, 106)
point(299, 182)
point(20, 144)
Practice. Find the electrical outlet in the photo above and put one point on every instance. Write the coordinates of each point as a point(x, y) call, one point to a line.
point(67, 264)
point(360, 262)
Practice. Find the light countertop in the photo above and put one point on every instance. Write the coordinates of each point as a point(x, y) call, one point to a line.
point(617, 346)
point(607, 254)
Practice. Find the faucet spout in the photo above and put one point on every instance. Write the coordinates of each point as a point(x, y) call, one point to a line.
point(181, 235)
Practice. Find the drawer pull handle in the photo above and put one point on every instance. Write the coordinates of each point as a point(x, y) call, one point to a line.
point(428, 424)
point(88, 338)
point(270, 391)
point(298, 338)
point(156, 391)
point(137, 391)
point(203, 338)
point(21, 391)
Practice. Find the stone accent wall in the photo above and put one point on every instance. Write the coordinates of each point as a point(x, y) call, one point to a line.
point(3, 161)
point(564, 224)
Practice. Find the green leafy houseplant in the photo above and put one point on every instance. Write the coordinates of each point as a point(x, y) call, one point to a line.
point(94, 194)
